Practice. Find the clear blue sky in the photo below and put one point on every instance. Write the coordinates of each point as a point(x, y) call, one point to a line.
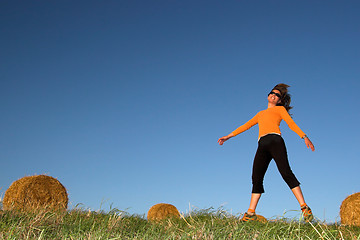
point(124, 101)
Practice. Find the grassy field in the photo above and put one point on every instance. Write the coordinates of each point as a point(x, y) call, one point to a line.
point(203, 224)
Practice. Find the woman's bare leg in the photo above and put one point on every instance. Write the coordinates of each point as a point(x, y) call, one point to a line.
point(255, 197)
point(298, 194)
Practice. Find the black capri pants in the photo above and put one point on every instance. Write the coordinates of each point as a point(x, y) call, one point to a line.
point(271, 146)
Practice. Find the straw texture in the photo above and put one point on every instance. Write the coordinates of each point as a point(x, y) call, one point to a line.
point(161, 211)
point(32, 192)
point(261, 218)
point(350, 210)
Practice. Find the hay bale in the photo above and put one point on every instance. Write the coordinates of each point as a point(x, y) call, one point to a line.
point(33, 192)
point(350, 210)
point(161, 211)
point(261, 219)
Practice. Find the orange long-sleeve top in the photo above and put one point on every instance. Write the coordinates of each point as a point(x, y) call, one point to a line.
point(269, 122)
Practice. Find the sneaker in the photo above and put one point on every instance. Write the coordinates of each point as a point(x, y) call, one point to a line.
point(307, 213)
point(248, 217)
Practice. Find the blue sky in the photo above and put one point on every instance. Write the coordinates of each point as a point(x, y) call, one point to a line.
point(123, 101)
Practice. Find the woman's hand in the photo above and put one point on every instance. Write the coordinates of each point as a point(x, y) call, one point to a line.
point(309, 144)
point(225, 138)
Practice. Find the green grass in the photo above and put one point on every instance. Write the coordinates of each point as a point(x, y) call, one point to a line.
point(203, 224)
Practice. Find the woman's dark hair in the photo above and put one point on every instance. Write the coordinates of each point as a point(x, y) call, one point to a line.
point(285, 99)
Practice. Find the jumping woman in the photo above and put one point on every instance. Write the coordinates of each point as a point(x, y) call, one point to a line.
point(272, 146)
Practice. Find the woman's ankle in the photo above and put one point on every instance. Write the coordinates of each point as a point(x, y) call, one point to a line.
point(251, 211)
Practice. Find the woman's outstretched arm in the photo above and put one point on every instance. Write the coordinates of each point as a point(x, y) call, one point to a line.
point(240, 129)
point(225, 138)
point(308, 143)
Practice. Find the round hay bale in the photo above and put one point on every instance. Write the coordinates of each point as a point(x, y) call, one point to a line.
point(33, 192)
point(261, 219)
point(350, 210)
point(161, 211)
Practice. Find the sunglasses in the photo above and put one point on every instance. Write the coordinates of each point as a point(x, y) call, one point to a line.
point(276, 94)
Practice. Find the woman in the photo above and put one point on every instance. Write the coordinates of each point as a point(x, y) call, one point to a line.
point(272, 146)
